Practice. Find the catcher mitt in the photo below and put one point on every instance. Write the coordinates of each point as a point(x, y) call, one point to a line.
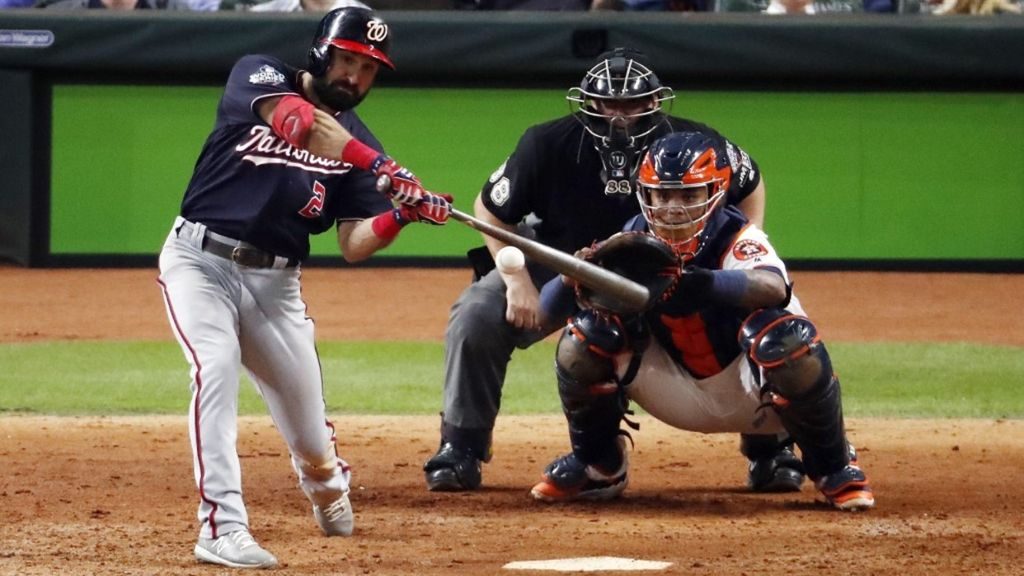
point(638, 256)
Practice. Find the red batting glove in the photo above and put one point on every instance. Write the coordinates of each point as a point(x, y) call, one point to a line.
point(405, 187)
point(432, 209)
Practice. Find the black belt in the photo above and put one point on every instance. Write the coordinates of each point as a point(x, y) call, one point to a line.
point(243, 254)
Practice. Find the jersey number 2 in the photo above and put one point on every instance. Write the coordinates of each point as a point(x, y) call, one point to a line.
point(315, 206)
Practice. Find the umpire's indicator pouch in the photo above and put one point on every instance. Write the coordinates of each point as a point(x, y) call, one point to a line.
point(481, 260)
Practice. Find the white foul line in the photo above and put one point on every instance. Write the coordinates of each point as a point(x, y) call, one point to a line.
point(588, 564)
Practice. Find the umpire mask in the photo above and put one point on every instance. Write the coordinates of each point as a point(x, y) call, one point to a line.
point(619, 103)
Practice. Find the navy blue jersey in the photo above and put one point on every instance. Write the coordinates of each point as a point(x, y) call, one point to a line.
point(555, 173)
point(251, 185)
point(704, 340)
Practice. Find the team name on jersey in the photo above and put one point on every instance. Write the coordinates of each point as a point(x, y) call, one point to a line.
point(264, 147)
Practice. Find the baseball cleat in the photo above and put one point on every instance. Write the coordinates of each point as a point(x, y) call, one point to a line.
point(781, 472)
point(568, 478)
point(452, 469)
point(237, 549)
point(335, 519)
point(847, 489)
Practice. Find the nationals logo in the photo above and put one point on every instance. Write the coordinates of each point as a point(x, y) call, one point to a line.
point(749, 249)
point(261, 147)
point(376, 31)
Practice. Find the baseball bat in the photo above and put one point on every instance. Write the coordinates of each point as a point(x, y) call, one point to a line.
point(629, 296)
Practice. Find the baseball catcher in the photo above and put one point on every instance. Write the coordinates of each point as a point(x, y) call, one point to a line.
point(568, 183)
point(725, 346)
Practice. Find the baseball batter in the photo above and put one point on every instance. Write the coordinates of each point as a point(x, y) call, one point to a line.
point(571, 179)
point(288, 157)
point(727, 348)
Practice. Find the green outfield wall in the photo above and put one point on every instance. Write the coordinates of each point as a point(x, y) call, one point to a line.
point(863, 176)
point(885, 141)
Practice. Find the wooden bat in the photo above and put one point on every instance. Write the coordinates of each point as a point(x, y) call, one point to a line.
point(628, 295)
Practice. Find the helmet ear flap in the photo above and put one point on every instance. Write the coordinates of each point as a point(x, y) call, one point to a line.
point(318, 59)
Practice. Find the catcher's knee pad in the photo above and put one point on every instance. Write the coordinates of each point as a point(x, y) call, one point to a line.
point(585, 360)
point(787, 348)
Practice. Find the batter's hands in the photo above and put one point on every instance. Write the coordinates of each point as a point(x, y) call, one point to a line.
point(431, 209)
point(397, 183)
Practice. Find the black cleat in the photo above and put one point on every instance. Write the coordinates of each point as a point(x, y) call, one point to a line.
point(452, 469)
point(847, 489)
point(782, 472)
point(568, 478)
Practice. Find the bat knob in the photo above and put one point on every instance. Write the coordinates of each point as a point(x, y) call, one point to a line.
point(384, 184)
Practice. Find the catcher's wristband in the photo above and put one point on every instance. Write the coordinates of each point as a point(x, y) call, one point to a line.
point(387, 225)
point(729, 286)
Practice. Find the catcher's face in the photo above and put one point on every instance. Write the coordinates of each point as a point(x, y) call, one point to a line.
point(678, 211)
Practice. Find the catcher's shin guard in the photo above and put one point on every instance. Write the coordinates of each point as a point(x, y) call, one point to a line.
point(592, 398)
point(815, 418)
point(796, 375)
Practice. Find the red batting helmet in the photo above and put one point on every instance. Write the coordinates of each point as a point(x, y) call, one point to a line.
point(353, 28)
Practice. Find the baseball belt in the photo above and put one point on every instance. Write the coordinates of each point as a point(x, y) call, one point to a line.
point(245, 254)
point(241, 253)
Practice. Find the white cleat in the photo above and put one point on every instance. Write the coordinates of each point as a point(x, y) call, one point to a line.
point(237, 549)
point(336, 518)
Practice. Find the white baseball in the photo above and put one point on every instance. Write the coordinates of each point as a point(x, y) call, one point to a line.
point(510, 260)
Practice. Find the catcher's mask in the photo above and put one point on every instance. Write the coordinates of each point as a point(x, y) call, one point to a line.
point(681, 182)
point(619, 104)
point(354, 28)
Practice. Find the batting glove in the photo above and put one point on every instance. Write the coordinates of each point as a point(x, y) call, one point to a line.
point(399, 184)
point(432, 209)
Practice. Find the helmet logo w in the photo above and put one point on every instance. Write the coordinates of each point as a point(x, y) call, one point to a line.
point(376, 31)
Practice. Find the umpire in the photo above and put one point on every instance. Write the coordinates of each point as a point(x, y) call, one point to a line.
point(568, 183)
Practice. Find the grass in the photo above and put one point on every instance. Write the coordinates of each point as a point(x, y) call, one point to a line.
point(879, 379)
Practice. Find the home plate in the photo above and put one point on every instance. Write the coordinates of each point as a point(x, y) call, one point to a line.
point(587, 564)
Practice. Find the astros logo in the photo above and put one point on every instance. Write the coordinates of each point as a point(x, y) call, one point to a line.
point(748, 249)
point(376, 31)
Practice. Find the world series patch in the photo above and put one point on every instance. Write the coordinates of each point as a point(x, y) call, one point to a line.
point(266, 75)
point(749, 249)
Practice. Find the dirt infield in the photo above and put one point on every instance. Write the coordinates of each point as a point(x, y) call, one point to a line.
point(116, 495)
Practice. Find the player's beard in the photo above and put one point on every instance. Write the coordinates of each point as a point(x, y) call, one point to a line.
point(339, 97)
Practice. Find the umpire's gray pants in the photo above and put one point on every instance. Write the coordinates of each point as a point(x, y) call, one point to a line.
point(478, 347)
